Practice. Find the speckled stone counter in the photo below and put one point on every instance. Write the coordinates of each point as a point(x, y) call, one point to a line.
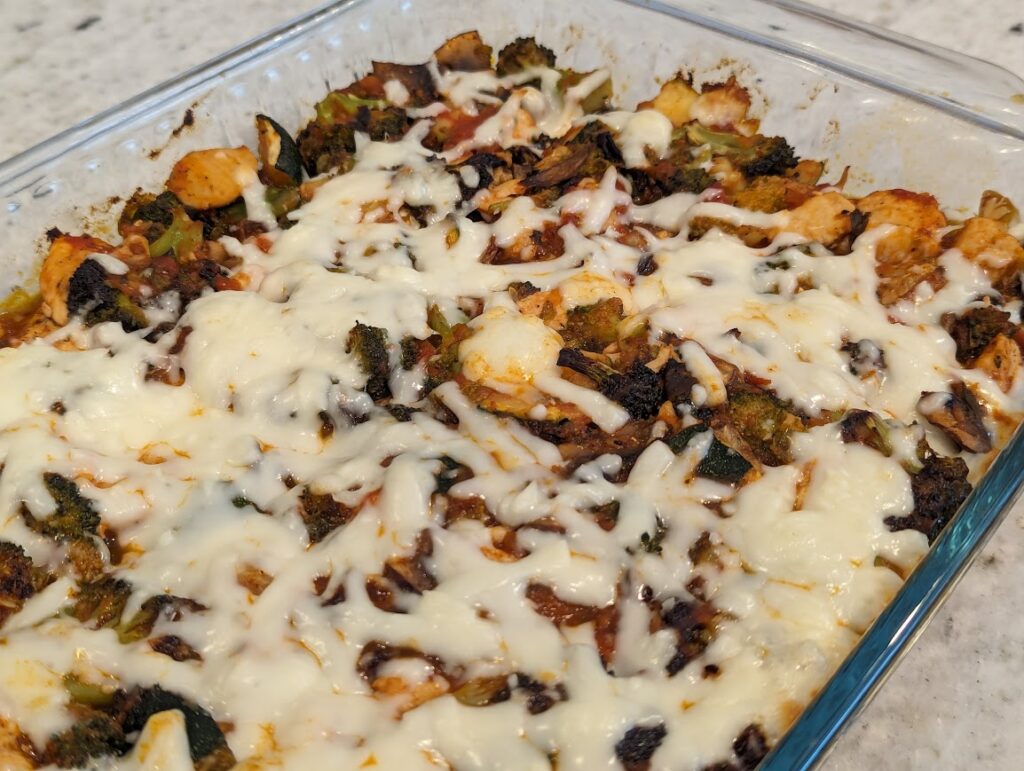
point(957, 700)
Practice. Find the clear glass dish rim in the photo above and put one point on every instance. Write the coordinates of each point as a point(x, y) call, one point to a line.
point(874, 658)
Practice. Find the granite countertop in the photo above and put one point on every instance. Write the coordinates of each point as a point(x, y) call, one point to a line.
point(956, 700)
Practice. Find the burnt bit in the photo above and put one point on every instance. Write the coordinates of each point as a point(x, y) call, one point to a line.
point(866, 358)
point(750, 746)
point(551, 606)
point(174, 647)
point(938, 489)
point(19, 579)
point(410, 573)
point(539, 698)
point(636, 748)
point(322, 515)
point(679, 382)
point(974, 329)
point(639, 389)
point(187, 121)
point(74, 516)
point(694, 624)
point(646, 266)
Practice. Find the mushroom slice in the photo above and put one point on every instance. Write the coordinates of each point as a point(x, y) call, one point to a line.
point(958, 415)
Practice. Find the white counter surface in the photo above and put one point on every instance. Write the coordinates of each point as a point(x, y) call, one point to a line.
point(957, 700)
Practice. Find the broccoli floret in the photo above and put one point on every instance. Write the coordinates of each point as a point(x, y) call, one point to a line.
point(444, 364)
point(326, 146)
point(74, 517)
point(88, 288)
point(181, 237)
point(19, 579)
point(974, 329)
point(206, 743)
point(770, 156)
point(938, 488)
point(523, 53)
point(370, 345)
point(672, 177)
point(638, 744)
point(322, 514)
point(95, 736)
point(121, 310)
point(593, 327)
point(155, 211)
point(102, 602)
point(638, 389)
point(211, 224)
point(383, 125)
point(765, 424)
point(755, 156)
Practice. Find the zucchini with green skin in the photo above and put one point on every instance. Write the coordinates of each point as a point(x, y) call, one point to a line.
point(720, 463)
point(280, 162)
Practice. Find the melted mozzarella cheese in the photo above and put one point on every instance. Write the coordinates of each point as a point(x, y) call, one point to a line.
point(508, 347)
point(198, 479)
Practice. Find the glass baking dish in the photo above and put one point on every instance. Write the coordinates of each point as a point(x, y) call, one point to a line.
point(899, 112)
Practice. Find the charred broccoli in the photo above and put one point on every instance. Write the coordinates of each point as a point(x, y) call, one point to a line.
point(938, 488)
point(974, 329)
point(95, 736)
point(74, 517)
point(91, 296)
point(638, 389)
point(638, 745)
point(765, 423)
point(19, 579)
point(153, 211)
point(370, 345)
point(326, 146)
point(755, 156)
point(102, 601)
point(593, 327)
point(321, 514)
point(206, 743)
point(523, 53)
